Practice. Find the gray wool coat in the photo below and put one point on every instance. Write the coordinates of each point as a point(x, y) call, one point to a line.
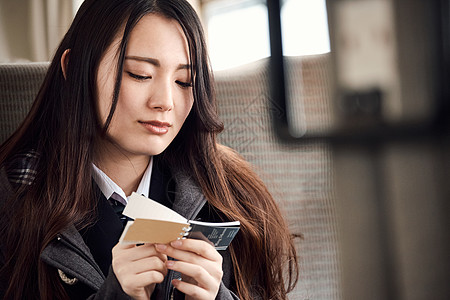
point(77, 267)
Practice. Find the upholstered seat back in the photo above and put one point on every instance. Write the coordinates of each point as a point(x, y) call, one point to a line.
point(19, 84)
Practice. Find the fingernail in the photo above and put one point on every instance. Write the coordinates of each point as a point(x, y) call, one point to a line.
point(170, 263)
point(176, 243)
point(160, 246)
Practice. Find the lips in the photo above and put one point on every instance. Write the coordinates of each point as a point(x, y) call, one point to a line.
point(156, 127)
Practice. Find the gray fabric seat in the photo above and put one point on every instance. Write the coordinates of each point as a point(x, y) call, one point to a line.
point(299, 176)
point(19, 84)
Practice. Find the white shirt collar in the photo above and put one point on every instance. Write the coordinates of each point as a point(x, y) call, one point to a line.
point(109, 187)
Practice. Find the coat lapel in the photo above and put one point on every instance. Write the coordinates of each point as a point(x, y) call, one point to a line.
point(70, 254)
point(189, 199)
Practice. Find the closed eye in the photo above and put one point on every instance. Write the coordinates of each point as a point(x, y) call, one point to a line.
point(183, 84)
point(138, 77)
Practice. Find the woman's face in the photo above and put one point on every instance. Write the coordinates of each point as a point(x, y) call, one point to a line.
point(156, 92)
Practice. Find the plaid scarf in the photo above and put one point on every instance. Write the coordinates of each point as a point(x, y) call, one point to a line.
point(21, 169)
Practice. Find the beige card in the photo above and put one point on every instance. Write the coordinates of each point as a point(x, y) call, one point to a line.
point(153, 231)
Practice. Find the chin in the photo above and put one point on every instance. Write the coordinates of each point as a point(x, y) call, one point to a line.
point(147, 146)
point(155, 150)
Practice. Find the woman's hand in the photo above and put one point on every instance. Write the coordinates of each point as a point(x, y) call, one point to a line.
point(200, 265)
point(138, 268)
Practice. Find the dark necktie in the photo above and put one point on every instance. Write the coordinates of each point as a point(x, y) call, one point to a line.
point(118, 208)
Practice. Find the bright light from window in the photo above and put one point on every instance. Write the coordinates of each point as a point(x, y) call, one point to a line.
point(240, 34)
point(305, 27)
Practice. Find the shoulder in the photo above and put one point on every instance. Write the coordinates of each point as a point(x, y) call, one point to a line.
point(20, 169)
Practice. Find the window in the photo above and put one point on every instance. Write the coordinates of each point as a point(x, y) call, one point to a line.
point(238, 31)
point(305, 27)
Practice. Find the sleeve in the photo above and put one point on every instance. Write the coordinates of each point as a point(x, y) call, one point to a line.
point(110, 289)
point(223, 294)
point(227, 287)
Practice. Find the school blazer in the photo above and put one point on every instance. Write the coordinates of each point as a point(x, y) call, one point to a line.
point(81, 274)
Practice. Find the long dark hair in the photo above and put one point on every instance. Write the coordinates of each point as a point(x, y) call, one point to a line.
point(62, 127)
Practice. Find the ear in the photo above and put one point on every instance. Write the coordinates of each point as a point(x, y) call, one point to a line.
point(64, 62)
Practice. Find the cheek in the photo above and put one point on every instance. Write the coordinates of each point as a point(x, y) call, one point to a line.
point(189, 103)
point(131, 102)
point(128, 106)
point(181, 114)
point(187, 109)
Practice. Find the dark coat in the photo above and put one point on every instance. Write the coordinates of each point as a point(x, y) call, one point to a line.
point(83, 258)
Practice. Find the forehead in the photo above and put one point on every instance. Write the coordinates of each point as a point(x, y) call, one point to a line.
point(159, 37)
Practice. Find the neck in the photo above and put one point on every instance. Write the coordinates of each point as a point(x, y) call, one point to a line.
point(125, 170)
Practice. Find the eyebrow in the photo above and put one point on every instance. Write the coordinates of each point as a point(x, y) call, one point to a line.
point(156, 63)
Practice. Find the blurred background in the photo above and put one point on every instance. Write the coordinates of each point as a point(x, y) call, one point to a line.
point(361, 167)
point(238, 30)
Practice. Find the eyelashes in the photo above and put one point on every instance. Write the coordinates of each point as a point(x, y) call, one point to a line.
point(139, 77)
point(184, 84)
point(143, 78)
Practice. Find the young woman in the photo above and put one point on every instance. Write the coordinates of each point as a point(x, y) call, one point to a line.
point(128, 105)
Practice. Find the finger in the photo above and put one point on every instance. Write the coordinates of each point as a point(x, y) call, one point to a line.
point(152, 263)
point(202, 248)
point(120, 245)
point(212, 267)
point(139, 274)
point(186, 256)
point(191, 290)
point(134, 252)
point(132, 247)
point(183, 250)
point(123, 265)
point(204, 277)
point(142, 279)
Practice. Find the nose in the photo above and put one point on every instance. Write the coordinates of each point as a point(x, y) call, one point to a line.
point(162, 97)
